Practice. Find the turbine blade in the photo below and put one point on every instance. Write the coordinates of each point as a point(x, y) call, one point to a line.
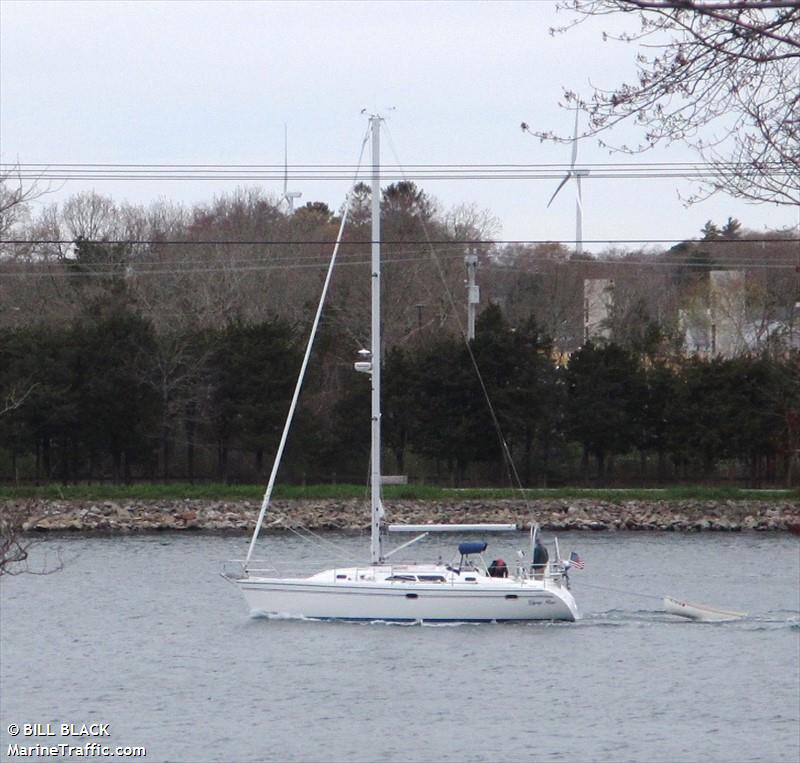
point(575, 142)
point(560, 186)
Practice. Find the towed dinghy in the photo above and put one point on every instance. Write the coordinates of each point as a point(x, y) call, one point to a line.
point(700, 612)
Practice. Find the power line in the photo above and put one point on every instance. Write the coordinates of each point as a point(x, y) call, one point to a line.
point(408, 253)
point(550, 176)
point(315, 172)
point(458, 247)
point(14, 166)
point(367, 242)
point(148, 269)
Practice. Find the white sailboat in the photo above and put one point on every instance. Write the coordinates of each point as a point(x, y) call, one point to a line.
point(465, 590)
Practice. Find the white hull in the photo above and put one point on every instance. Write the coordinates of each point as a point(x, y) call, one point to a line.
point(486, 599)
point(699, 612)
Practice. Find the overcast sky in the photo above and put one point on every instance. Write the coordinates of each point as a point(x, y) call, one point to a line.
point(214, 83)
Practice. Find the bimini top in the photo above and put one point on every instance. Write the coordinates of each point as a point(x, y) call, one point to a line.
point(472, 547)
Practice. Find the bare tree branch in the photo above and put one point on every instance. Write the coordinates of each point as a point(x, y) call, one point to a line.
point(15, 196)
point(14, 399)
point(15, 541)
point(721, 77)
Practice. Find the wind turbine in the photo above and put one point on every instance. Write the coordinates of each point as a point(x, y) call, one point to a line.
point(577, 174)
point(289, 196)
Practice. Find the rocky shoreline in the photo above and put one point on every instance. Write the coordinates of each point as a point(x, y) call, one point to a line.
point(240, 516)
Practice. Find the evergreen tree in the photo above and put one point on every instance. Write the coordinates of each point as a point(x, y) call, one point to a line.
point(732, 229)
point(252, 368)
point(659, 394)
point(399, 382)
point(116, 409)
point(443, 425)
point(604, 400)
point(37, 389)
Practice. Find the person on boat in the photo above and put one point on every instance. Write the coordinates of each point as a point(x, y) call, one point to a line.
point(498, 569)
point(540, 559)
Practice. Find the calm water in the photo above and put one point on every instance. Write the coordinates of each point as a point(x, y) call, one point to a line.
point(143, 634)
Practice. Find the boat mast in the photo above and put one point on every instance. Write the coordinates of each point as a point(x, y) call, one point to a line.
point(376, 505)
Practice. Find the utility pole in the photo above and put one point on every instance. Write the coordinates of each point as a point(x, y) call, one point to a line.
point(473, 293)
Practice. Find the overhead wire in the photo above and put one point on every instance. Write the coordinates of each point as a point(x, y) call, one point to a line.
point(350, 167)
point(423, 171)
point(368, 242)
point(149, 269)
point(266, 173)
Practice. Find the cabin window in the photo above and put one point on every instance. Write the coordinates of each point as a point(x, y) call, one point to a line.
point(431, 578)
point(471, 580)
point(402, 578)
point(341, 577)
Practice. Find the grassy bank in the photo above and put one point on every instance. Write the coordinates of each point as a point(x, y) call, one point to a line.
point(178, 491)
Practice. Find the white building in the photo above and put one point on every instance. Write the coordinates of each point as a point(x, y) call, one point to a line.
point(598, 299)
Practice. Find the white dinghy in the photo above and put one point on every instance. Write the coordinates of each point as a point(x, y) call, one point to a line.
point(700, 612)
point(466, 590)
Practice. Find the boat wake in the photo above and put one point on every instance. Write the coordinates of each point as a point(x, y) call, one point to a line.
point(621, 617)
point(612, 618)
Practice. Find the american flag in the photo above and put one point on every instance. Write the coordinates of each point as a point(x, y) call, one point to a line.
point(576, 560)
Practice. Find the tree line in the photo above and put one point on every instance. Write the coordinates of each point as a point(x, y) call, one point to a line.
point(99, 403)
point(163, 343)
